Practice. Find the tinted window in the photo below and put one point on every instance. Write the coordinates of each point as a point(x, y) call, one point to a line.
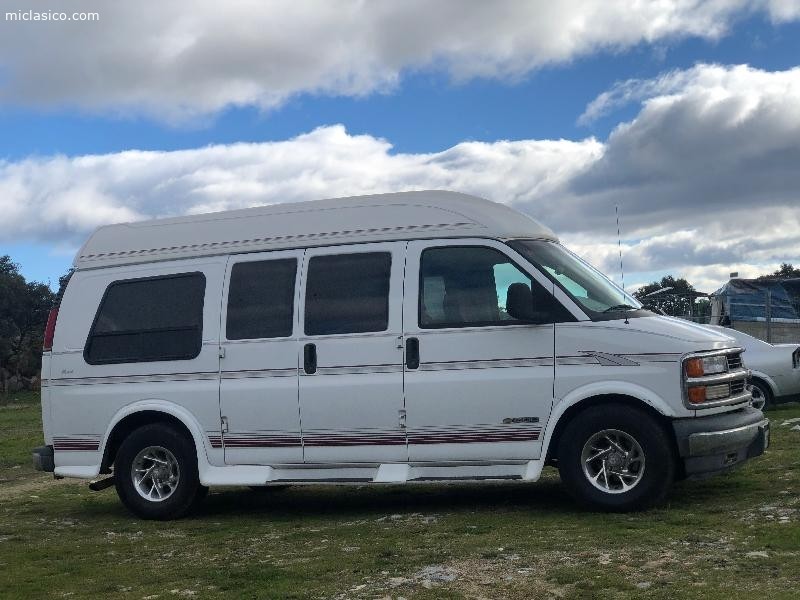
point(261, 299)
point(469, 286)
point(157, 318)
point(348, 293)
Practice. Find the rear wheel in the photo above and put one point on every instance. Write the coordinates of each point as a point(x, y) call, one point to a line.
point(155, 473)
point(615, 457)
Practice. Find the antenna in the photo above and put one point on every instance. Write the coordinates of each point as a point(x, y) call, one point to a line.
point(621, 270)
point(619, 247)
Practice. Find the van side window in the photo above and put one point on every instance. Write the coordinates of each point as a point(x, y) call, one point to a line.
point(148, 319)
point(261, 299)
point(348, 293)
point(468, 286)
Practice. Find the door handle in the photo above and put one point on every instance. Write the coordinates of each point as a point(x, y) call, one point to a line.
point(310, 359)
point(412, 353)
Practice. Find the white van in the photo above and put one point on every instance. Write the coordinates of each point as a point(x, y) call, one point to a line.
point(392, 338)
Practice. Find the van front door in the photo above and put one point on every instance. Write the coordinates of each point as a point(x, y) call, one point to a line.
point(351, 372)
point(478, 383)
point(258, 364)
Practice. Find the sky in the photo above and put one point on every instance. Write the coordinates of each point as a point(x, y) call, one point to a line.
point(684, 115)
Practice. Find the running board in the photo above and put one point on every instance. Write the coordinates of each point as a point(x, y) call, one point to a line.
point(370, 473)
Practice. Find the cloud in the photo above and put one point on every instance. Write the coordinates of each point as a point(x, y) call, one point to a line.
point(65, 198)
point(176, 61)
point(705, 176)
point(714, 142)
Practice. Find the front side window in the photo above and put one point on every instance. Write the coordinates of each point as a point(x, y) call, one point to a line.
point(261, 299)
point(588, 286)
point(468, 286)
point(348, 293)
point(149, 319)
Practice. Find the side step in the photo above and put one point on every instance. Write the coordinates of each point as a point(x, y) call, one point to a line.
point(366, 473)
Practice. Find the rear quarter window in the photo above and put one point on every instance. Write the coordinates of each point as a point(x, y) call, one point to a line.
point(148, 319)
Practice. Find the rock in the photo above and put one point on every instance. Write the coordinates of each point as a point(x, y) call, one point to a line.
point(757, 554)
point(643, 585)
point(437, 574)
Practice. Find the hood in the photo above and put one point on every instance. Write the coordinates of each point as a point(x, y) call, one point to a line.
point(641, 335)
point(681, 330)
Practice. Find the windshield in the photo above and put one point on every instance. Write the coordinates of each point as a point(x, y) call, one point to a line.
point(587, 286)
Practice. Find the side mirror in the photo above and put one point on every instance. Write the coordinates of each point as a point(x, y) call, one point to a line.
point(519, 303)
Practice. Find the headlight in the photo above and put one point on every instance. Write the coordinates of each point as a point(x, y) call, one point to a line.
point(708, 365)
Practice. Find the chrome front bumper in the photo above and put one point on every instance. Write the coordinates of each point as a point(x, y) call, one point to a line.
point(728, 440)
point(717, 443)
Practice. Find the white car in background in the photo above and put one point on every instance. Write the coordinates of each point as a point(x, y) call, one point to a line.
point(775, 368)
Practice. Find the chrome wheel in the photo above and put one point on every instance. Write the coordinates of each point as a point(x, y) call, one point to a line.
point(612, 461)
point(759, 398)
point(155, 473)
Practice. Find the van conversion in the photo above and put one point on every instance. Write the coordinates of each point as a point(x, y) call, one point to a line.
point(390, 338)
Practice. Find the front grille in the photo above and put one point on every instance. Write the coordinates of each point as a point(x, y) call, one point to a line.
point(734, 361)
point(737, 387)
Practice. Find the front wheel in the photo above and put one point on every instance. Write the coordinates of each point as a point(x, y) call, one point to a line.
point(617, 458)
point(155, 473)
point(762, 395)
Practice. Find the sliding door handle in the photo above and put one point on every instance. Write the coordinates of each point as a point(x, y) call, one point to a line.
point(310, 359)
point(412, 353)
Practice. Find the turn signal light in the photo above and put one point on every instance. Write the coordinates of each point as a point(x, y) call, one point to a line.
point(694, 367)
point(697, 395)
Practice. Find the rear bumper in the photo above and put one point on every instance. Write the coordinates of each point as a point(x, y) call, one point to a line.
point(717, 443)
point(43, 459)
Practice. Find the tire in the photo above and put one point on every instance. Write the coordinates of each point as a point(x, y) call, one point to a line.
point(762, 395)
point(157, 453)
point(594, 437)
point(202, 492)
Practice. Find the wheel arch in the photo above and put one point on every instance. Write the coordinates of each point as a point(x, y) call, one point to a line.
point(144, 413)
point(766, 380)
point(568, 410)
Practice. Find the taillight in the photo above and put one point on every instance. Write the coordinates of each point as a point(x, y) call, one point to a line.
point(50, 330)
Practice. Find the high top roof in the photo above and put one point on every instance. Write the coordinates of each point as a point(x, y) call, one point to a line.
point(357, 219)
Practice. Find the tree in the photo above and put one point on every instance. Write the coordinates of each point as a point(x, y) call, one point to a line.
point(23, 315)
point(675, 301)
point(785, 271)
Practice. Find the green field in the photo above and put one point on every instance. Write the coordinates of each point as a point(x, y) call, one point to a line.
point(735, 536)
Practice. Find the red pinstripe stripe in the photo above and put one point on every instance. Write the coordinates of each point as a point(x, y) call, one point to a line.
point(430, 437)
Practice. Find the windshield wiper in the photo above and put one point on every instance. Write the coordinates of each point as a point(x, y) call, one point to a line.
point(619, 307)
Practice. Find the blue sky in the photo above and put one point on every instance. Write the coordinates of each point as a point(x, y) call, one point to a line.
point(424, 111)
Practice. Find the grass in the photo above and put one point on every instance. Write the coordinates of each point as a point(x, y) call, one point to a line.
point(59, 540)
